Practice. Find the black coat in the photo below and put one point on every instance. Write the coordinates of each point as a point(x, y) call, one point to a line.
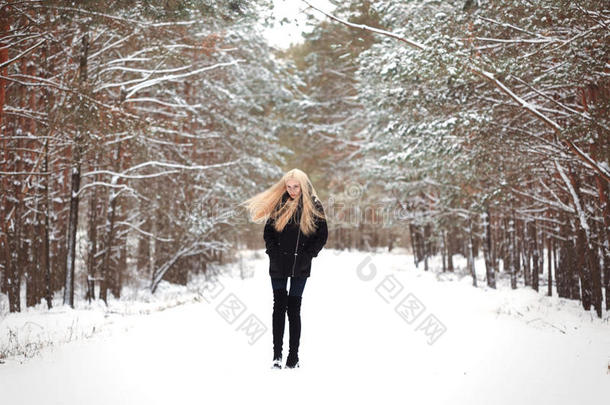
point(281, 245)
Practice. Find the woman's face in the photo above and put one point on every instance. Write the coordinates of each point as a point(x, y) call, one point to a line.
point(293, 188)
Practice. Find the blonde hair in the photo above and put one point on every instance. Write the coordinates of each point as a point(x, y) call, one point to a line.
point(268, 203)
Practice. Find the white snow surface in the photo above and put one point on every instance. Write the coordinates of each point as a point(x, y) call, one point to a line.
point(498, 346)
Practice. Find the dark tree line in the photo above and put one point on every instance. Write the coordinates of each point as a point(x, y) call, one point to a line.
point(123, 129)
point(487, 127)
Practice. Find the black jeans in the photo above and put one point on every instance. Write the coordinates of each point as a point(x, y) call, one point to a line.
point(297, 285)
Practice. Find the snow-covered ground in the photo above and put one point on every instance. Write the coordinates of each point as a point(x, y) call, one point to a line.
point(374, 329)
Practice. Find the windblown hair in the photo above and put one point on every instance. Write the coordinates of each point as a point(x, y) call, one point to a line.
point(268, 203)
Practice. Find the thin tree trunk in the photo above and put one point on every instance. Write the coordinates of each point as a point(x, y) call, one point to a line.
point(75, 188)
point(92, 248)
point(540, 248)
point(105, 270)
point(602, 190)
point(72, 227)
point(31, 268)
point(413, 244)
point(47, 250)
point(526, 249)
point(593, 263)
point(106, 276)
point(5, 27)
point(535, 258)
point(426, 246)
point(46, 258)
point(450, 266)
point(489, 265)
point(513, 252)
point(444, 251)
point(470, 243)
point(550, 251)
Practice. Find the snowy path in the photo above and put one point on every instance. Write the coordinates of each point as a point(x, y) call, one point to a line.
point(354, 347)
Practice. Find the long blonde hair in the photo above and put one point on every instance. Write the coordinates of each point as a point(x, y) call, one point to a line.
point(268, 203)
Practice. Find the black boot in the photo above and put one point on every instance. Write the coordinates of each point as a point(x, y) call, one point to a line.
point(279, 320)
point(294, 324)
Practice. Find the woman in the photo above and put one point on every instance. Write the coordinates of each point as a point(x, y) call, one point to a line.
point(294, 233)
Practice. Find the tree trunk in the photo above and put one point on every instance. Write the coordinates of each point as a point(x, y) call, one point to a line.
point(109, 229)
point(5, 27)
point(526, 253)
point(604, 238)
point(588, 263)
point(471, 253)
point(487, 247)
point(426, 246)
point(92, 243)
point(75, 188)
point(72, 227)
point(444, 250)
point(32, 268)
point(106, 276)
point(550, 251)
point(575, 273)
point(412, 234)
point(593, 263)
point(513, 252)
point(535, 258)
point(450, 266)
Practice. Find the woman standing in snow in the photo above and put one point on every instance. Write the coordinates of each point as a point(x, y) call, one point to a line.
point(295, 232)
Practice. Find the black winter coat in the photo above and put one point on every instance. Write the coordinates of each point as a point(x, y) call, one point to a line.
point(281, 246)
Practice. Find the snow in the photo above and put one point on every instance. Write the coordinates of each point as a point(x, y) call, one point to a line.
point(498, 346)
point(25, 334)
point(575, 199)
point(145, 83)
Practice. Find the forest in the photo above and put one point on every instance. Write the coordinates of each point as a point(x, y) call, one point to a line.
point(131, 130)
